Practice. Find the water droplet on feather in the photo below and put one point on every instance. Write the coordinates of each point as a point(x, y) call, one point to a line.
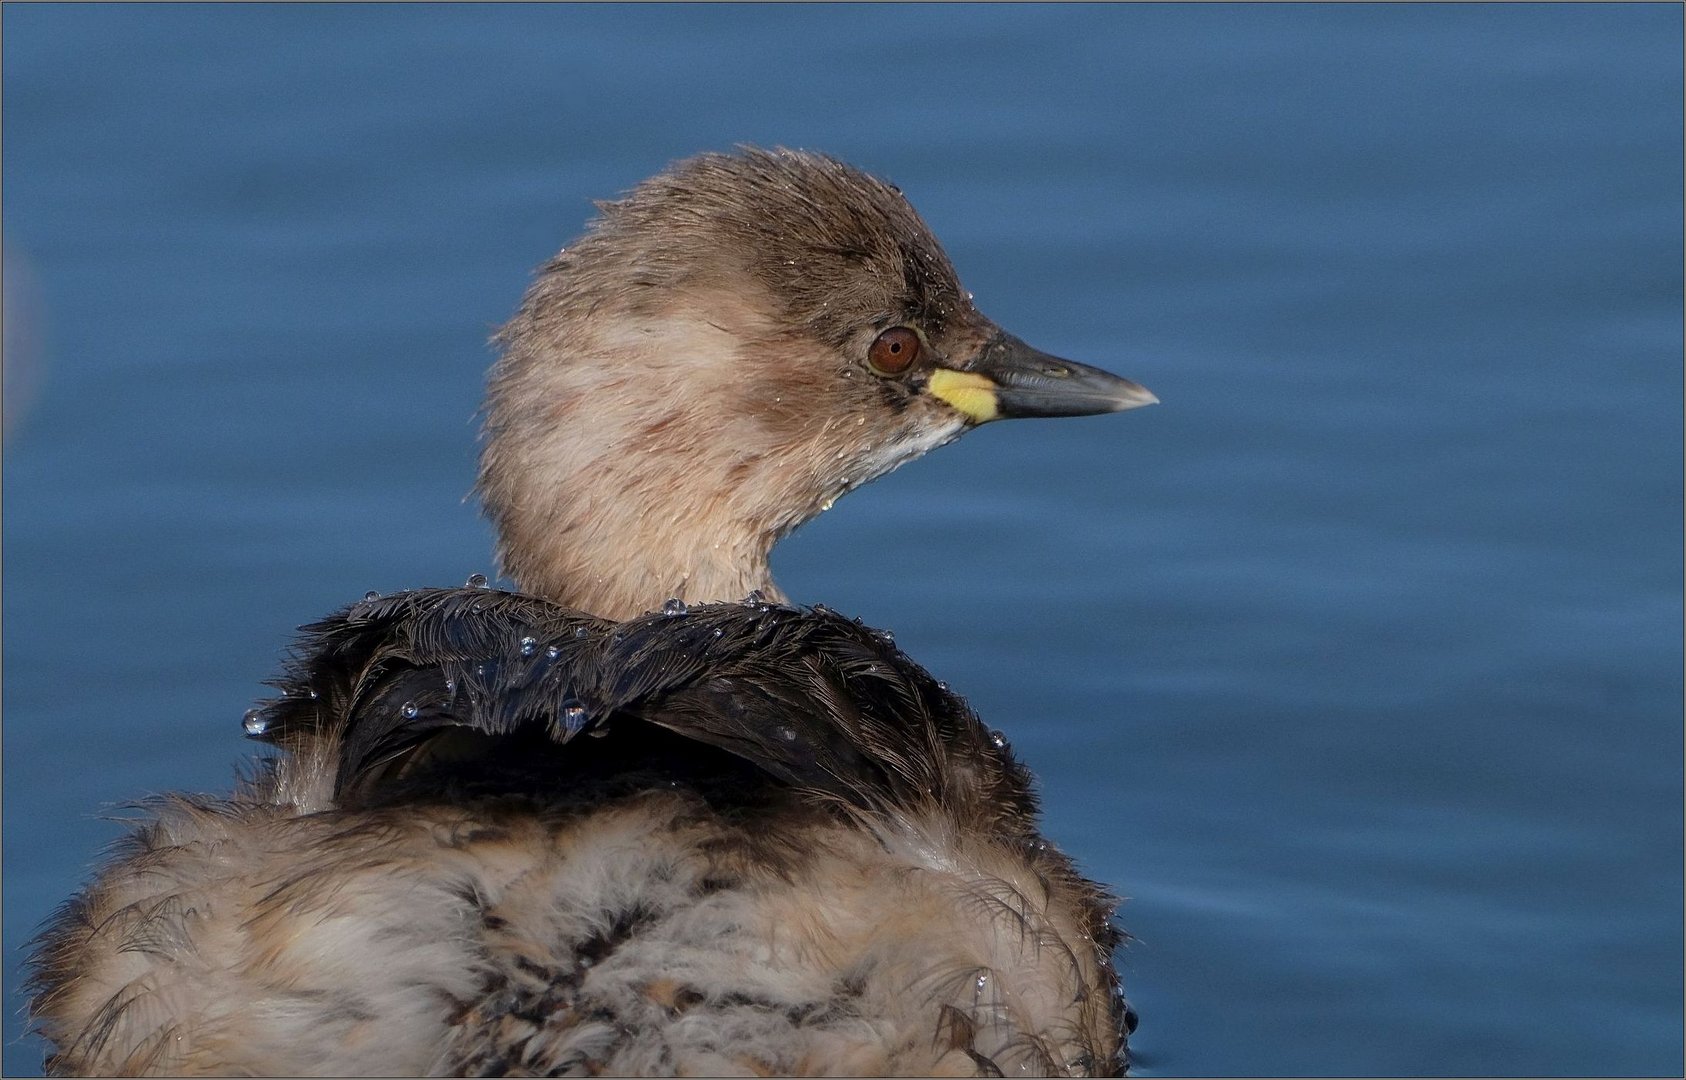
point(573, 718)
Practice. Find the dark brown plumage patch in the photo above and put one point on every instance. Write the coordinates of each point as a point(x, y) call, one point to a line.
point(809, 699)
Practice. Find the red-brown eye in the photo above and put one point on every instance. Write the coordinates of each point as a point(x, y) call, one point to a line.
point(894, 351)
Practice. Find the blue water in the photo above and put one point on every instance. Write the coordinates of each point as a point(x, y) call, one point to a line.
point(1355, 666)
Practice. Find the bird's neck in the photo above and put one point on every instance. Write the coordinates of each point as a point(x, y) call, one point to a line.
point(621, 559)
point(627, 463)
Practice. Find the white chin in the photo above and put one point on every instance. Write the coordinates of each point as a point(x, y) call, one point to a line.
point(898, 451)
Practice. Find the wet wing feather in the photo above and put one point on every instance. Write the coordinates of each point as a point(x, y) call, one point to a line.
point(813, 699)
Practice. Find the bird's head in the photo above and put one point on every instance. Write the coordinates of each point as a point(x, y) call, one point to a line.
point(731, 347)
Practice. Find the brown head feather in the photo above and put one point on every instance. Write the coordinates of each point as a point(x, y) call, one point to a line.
point(687, 383)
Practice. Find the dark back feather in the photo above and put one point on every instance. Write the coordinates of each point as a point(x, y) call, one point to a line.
point(810, 700)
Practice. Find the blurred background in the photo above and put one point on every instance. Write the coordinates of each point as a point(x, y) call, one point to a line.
point(1355, 666)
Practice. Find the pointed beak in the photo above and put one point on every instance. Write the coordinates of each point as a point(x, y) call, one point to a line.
point(1008, 378)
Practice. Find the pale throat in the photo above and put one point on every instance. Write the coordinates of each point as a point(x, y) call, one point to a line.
point(641, 466)
point(621, 581)
point(621, 527)
point(624, 545)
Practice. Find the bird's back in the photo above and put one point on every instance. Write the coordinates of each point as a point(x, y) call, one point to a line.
point(502, 837)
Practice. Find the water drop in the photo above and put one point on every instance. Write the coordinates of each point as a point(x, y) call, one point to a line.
point(450, 686)
point(311, 693)
point(553, 652)
point(574, 717)
point(942, 686)
point(371, 595)
point(410, 710)
point(885, 636)
point(255, 722)
point(529, 646)
point(755, 598)
point(580, 631)
point(827, 505)
point(997, 739)
point(719, 632)
point(674, 607)
point(981, 983)
point(477, 581)
point(787, 734)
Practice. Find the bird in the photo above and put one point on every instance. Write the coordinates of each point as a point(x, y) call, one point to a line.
point(638, 814)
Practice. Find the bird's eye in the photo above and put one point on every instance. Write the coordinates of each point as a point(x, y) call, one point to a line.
point(894, 351)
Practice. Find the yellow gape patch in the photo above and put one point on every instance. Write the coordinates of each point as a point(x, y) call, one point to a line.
point(972, 394)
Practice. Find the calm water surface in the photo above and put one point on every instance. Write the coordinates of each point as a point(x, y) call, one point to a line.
point(1356, 666)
